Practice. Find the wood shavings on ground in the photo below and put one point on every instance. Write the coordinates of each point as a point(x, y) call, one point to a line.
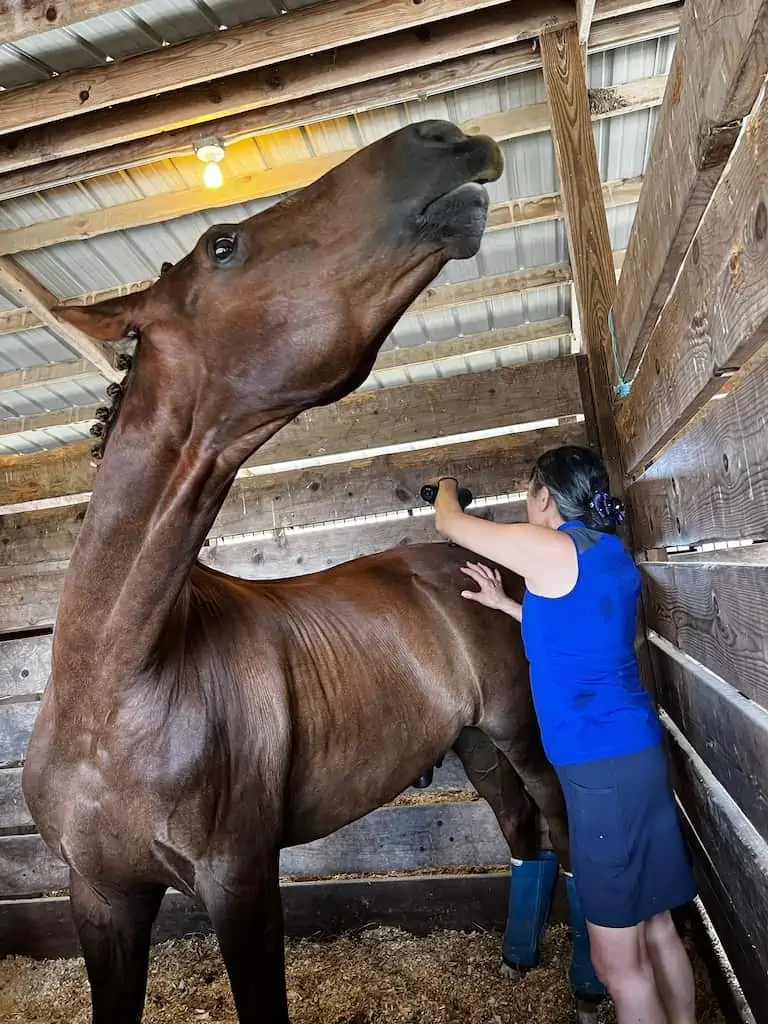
point(379, 976)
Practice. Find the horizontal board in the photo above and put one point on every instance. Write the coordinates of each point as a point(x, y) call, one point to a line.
point(512, 395)
point(30, 600)
point(716, 316)
point(712, 483)
point(419, 837)
point(362, 487)
point(728, 731)
point(295, 554)
point(24, 665)
point(734, 860)
point(16, 721)
point(716, 614)
point(419, 904)
point(449, 778)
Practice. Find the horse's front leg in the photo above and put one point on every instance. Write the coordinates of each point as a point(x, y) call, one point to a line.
point(247, 915)
point(114, 928)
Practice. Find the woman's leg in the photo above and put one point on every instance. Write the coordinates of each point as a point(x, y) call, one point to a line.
point(672, 968)
point(621, 960)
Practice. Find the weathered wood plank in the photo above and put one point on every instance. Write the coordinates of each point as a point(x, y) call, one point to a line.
point(728, 731)
point(734, 858)
point(586, 225)
point(476, 401)
point(712, 483)
point(720, 63)
point(24, 666)
point(295, 554)
point(418, 837)
point(420, 904)
point(30, 601)
point(324, 27)
point(717, 314)
point(16, 721)
point(716, 614)
point(243, 105)
point(14, 813)
point(362, 487)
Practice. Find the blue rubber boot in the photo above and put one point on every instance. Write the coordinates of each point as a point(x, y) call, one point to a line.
point(585, 984)
point(531, 885)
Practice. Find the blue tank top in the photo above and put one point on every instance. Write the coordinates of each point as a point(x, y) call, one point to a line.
point(587, 691)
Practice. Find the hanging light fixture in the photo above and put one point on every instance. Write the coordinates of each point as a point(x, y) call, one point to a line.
point(211, 152)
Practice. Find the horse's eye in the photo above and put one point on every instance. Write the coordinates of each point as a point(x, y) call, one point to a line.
point(223, 248)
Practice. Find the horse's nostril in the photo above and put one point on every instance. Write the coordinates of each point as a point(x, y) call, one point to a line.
point(438, 131)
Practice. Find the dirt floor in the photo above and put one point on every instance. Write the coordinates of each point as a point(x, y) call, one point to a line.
point(381, 976)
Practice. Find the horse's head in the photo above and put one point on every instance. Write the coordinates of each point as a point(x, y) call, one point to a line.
point(287, 309)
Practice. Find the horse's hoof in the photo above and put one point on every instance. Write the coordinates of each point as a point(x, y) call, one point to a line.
point(425, 780)
point(511, 973)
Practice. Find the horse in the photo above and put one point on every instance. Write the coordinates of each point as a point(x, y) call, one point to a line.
point(194, 723)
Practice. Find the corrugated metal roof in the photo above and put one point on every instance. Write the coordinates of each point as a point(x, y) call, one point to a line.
point(75, 268)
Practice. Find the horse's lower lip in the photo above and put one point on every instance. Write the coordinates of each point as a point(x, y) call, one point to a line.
point(471, 187)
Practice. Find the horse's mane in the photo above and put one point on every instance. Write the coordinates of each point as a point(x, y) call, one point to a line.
point(106, 415)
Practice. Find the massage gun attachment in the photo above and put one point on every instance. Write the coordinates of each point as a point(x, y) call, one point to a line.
point(429, 494)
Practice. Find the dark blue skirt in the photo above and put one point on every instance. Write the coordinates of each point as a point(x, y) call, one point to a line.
point(628, 854)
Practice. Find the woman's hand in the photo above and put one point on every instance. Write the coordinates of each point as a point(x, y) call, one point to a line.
point(491, 592)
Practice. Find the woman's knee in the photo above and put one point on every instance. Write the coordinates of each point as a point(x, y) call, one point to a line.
point(619, 956)
point(660, 931)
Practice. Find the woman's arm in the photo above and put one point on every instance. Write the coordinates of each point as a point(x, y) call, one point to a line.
point(545, 558)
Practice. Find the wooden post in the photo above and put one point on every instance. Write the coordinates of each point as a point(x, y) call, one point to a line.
point(589, 243)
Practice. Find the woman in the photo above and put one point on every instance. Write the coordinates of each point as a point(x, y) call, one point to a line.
point(598, 724)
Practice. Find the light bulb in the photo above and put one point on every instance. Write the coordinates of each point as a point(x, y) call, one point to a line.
point(212, 176)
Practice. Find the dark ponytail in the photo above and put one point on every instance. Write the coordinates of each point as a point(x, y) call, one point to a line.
point(578, 482)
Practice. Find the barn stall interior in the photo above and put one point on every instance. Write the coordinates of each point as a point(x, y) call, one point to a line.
point(647, 165)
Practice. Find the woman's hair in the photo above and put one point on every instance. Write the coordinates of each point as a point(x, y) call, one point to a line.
point(578, 482)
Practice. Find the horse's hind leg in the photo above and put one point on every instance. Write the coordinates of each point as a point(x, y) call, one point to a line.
point(114, 929)
point(533, 871)
point(522, 747)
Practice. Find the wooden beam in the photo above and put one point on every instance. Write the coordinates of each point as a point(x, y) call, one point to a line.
point(283, 178)
point(712, 484)
point(716, 317)
point(589, 243)
point(720, 64)
point(20, 19)
point(517, 394)
point(322, 27)
point(585, 10)
point(22, 287)
point(311, 89)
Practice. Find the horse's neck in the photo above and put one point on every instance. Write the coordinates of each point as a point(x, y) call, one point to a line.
point(156, 497)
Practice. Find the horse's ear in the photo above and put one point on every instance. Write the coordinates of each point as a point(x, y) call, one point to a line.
point(110, 320)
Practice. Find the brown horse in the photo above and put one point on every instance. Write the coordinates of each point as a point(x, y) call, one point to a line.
point(194, 723)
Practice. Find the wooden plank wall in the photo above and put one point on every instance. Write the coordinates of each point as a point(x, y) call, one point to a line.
point(694, 438)
point(261, 532)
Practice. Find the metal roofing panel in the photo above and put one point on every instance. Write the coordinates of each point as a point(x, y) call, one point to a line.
point(30, 401)
point(40, 440)
point(32, 348)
